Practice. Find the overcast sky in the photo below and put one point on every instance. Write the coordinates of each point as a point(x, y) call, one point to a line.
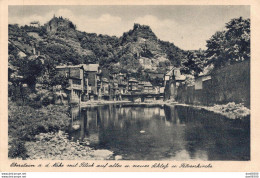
point(188, 27)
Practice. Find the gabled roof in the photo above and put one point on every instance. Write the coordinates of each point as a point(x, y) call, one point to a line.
point(133, 80)
point(178, 76)
point(34, 22)
point(91, 67)
point(207, 70)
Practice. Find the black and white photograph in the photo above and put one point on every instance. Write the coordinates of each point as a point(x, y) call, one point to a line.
point(129, 82)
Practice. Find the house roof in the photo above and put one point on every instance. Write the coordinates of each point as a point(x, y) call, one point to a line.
point(133, 80)
point(122, 74)
point(207, 70)
point(104, 80)
point(148, 84)
point(141, 83)
point(87, 67)
point(203, 77)
point(170, 72)
point(90, 67)
point(180, 77)
point(34, 22)
point(154, 75)
point(66, 67)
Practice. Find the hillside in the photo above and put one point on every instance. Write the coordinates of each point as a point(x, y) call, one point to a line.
point(137, 51)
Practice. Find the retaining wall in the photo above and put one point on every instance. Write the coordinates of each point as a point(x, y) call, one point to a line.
point(229, 84)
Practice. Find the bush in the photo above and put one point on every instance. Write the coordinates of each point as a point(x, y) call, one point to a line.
point(24, 122)
point(17, 149)
point(47, 100)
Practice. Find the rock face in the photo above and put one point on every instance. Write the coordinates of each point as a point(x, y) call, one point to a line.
point(58, 24)
point(56, 146)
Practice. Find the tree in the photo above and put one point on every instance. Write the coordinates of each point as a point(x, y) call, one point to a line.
point(31, 69)
point(194, 63)
point(230, 46)
point(238, 36)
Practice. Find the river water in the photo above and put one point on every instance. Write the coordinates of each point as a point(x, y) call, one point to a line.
point(160, 133)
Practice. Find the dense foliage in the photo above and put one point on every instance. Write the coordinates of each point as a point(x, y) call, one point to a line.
point(230, 46)
point(223, 48)
point(194, 63)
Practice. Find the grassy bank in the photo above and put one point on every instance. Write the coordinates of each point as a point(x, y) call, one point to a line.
point(25, 122)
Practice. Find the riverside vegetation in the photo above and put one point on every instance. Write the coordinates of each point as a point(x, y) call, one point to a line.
point(25, 122)
point(41, 134)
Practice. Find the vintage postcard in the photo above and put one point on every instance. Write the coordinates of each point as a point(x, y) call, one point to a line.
point(129, 86)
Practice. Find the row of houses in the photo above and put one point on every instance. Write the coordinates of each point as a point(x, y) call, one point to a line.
point(86, 82)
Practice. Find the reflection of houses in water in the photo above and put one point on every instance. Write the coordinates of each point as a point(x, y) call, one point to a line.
point(100, 124)
point(75, 114)
point(162, 114)
point(156, 111)
point(95, 119)
point(171, 114)
point(140, 112)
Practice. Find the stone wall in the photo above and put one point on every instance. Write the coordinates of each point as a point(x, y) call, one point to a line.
point(229, 84)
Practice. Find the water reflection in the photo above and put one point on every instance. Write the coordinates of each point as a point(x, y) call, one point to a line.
point(160, 133)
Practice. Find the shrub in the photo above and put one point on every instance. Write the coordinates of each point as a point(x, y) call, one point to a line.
point(24, 122)
point(17, 149)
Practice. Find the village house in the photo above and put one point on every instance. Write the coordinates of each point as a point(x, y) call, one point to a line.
point(174, 74)
point(83, 83)
point(199, 81)
point(132, 85)
point(140, 85)
point(114, 86)
point(115, 90)
point(75, 75)
point(35, 24)
point(104, 89)
point(203, 76)
point(172, 80)
point(148, 88)
point(122, 83)
point(92, 75)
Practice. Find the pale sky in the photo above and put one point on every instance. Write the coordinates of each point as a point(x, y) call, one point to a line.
point(188, 27)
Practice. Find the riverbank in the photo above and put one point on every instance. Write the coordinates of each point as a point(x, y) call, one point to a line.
point(25, 122)
point(229, 110)
point(57, 146)
point(147, 103)
point(40, 134)
point(101, 102)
